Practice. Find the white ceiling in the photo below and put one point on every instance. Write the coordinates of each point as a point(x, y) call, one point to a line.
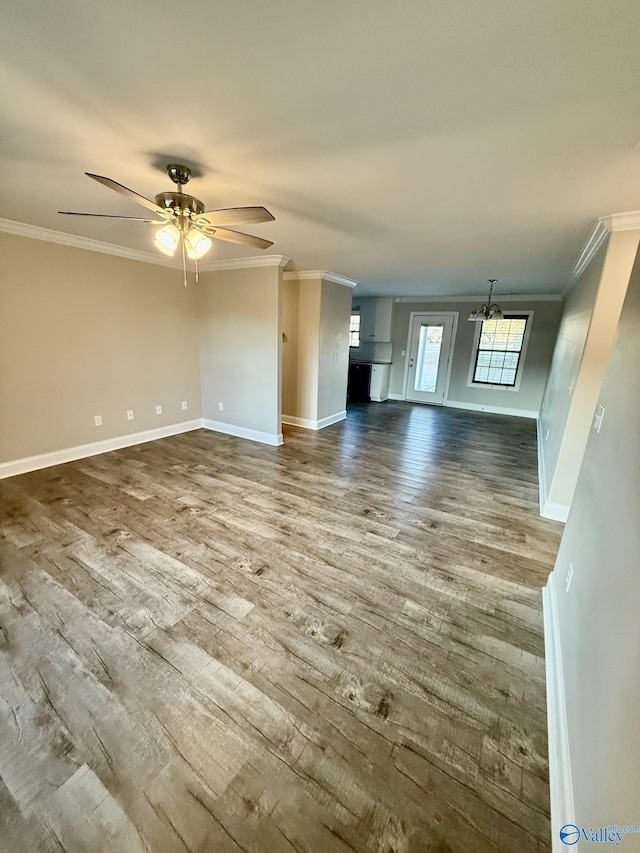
point(418, 147)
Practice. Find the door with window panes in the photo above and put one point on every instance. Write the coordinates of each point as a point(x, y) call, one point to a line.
point(430, 347)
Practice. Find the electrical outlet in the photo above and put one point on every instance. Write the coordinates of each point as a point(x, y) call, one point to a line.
point(129, 414)
point(221, 407)
point(97, 419)
point(184, 404)
point(158, 410)
point(597, 421)
point(569, 577)
point(403, 352)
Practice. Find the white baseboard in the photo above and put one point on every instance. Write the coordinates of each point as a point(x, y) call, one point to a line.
point(494, 410)
point(274, 439)
point(396, 396)
point(554, 511)
point(548, 509)
point(335, 418)
point(560, 782)
point(307, 423)
point(82, 451)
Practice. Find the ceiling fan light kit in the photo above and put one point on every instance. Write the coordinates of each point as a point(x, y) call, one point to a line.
point(185, 222)
point(488, 310)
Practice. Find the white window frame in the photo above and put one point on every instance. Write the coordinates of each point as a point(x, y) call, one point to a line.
point(355, 314)
point(523, 354)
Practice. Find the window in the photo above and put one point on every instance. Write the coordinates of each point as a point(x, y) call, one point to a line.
point(499, 351)
point(354, 331)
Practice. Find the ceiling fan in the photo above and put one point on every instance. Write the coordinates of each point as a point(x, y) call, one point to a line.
point(184, 221)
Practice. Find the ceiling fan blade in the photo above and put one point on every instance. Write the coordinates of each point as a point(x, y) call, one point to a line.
point(236, 237)
point(238, 215)
point(112, 216)
point(125, 191)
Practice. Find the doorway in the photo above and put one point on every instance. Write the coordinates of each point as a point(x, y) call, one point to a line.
point(430, 347)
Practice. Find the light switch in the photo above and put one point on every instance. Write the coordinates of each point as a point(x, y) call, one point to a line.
point(597, 421)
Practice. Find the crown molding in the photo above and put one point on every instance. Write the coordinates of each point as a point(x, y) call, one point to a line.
point(500, 297)
point(35, 232)
point(325, 275)
point(245, 263)
point(625, 221)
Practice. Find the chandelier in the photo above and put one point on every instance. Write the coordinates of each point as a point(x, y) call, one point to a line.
point(488, 310)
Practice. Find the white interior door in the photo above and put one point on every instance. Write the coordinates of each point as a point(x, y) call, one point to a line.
point(429, 354)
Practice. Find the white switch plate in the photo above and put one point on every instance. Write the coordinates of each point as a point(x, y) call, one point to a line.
point(221, 407)
point(569, 577)
point(597, 421)
point(158, 410)
point(129, 414)
point(97, 419)
point(184, 404)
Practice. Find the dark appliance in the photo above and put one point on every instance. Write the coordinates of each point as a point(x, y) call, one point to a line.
point(358, 389)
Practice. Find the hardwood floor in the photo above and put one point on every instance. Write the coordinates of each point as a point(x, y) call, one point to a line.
point(208, 644)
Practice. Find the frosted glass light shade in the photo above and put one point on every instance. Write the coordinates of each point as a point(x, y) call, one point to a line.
point(197, 244)
point(167, 239)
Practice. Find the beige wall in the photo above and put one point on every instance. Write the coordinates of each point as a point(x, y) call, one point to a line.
point(290, 337)
point(582, 349)
point(239, 313)
point(528, 397)
point(333, 364)
point(316, 315)
point(82, 334)
point(599, 624)
point(307, 373)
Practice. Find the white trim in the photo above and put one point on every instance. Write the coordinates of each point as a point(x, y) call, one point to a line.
point(627, 220)
point(504, 297)
point(307, 423)
point(35, 232)
point(62, 238)
point(405, 381)
point(335, 418)
point(548, 509)
point(82, 451)
point(597, 237)
point(523, 354)
point(554, 511)
point(396, 396)
point(244, 263)
point(323, 274)
point(494, 410)
point(560, 782)
point(274, 439)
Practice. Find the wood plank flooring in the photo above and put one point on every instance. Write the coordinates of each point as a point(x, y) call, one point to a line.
point(208, 644)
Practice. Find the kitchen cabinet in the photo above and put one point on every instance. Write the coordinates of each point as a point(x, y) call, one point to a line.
point(379, 385)
point(375, 319)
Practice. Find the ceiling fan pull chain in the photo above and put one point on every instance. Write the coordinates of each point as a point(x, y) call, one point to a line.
point(184, 260)
point(197, 279)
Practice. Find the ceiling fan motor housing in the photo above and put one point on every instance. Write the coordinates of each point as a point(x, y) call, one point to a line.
point(180, 203)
